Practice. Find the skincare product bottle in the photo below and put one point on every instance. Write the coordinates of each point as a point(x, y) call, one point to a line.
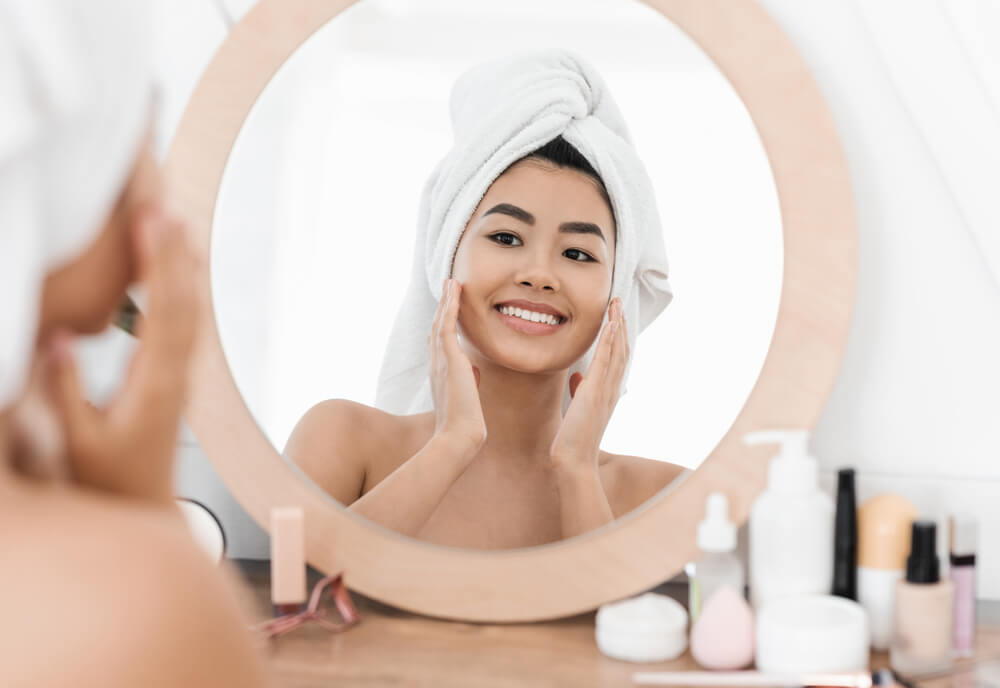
point(791, 524)
point(964, 536)
point(722, 628)
point(922, 633)
point(288, 559)
point(718, 565)
point(883, 545)
point(845, 538)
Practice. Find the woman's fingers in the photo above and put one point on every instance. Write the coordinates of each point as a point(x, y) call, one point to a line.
point(602, 356)
point(450, 333)
point(79, 417)
point(621, 355)
point(158, 374)
point(168, 262)
point(432, 338)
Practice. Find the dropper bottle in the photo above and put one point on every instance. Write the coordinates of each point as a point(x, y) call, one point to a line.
point(718, 565)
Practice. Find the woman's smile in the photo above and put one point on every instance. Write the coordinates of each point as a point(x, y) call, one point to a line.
point(529, 322)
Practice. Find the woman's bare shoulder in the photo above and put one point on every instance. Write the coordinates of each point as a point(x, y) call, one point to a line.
point(632, 480)
point(341, 443)
point(123, 587)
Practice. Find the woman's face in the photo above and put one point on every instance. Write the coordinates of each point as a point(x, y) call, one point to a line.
point(545, 235)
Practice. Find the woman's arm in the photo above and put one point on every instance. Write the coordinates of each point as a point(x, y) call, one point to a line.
point(583, 505)
point(575, 451)
point(408, 497)
point(333, 444)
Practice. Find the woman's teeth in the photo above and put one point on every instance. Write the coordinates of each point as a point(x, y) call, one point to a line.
point(530, 316)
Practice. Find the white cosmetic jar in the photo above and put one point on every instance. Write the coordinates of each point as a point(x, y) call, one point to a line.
point(205, 528)
point(648, 628)
point(812, 633)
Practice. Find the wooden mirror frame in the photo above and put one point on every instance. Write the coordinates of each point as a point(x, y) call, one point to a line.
point(653, 542)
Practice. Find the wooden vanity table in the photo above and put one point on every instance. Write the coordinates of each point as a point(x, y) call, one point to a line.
point(395, 648)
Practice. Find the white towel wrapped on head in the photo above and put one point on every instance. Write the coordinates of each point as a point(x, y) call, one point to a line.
point(502, 111)
point(76, 99)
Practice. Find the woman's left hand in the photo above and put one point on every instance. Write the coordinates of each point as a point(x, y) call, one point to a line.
point(577, 443)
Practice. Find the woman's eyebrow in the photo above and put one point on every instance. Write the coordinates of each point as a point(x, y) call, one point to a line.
point(526, 217)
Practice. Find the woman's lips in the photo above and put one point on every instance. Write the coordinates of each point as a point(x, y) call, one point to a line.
point(526, 326)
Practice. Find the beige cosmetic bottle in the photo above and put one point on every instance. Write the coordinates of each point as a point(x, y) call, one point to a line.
point(884, 524)
point(921, 640)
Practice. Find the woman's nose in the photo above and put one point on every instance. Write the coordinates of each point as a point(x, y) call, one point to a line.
point(538, 275)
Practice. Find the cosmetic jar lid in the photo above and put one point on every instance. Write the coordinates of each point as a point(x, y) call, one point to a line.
point(812, 633)
point(884, 532)
point(648, 628)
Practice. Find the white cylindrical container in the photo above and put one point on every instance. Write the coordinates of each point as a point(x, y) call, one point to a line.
point(648, 628)
point(205, 528)
point(791, 524)
point(811, 634)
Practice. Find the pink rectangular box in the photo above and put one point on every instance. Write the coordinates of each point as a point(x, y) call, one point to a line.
point(288, 556)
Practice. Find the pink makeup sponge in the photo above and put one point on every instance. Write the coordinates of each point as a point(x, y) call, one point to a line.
point(722, 637)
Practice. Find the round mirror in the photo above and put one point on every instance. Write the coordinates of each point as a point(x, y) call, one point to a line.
point(302, 158)
point(316, 218)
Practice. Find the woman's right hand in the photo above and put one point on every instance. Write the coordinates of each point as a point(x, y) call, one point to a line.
point(128, 447)
point(454, 380)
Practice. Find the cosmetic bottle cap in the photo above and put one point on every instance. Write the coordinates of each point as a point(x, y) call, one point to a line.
point(964, 536)
point(922, 565)
point(716, 533)
point(884, 532)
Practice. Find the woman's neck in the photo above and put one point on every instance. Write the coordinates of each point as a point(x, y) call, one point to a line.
point(523, 411)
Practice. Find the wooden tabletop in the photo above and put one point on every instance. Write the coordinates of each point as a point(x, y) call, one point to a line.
point(395, 648)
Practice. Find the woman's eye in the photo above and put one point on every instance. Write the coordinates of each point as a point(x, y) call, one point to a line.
point(586, 257)
point(505, 238)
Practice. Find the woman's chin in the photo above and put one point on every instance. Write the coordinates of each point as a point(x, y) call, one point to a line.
point(530, 363)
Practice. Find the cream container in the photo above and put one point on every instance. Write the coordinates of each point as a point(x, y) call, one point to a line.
point(205, 528)
point(883, 544)
point(812, 633)
point(648, 628)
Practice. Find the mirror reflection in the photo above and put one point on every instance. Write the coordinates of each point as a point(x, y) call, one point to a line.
point(485, 412)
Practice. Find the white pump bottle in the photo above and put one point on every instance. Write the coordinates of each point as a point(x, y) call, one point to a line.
point(791, 524)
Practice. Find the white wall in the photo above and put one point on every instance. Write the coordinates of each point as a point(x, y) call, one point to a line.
point(914, 405)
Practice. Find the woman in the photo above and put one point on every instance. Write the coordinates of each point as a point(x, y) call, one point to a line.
point(498, 462)
point(101, 583)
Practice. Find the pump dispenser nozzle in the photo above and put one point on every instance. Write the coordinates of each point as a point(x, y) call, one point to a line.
point(792, 470)
point(793, 442)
